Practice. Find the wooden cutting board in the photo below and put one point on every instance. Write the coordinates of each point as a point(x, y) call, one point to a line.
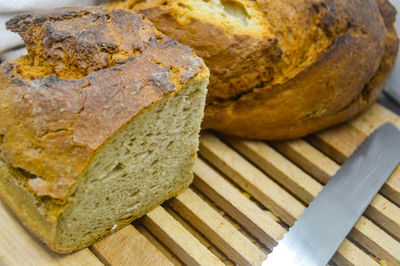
point(245, 196)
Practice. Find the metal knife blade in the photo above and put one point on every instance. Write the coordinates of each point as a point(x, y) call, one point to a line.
point(321, 229)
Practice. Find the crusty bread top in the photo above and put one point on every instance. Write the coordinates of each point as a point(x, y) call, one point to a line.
point(50, 126)
point(243, 18)
point(298, 34)
point(233, 37)
point(332, 85)
point(319, 66)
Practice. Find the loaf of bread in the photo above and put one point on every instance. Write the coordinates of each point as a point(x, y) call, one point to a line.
point(98, 124)
point(282, 68)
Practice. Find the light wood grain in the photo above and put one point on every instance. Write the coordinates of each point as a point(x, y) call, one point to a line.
point(335, 150)
point(350, 254)
point(311, 160)
point(391, 189)
point(381, 210)
point(198, 235)
point(129, 247)
point(163, 249)
point(184, 245)
point(376, 241)
point(385, 214)
point(250, 179)
point(278, 167)
point(341, 151)
point(218, 153)
point(373, 118)
point(376, 116)
point(239, 178)
point(18, 247)
point(258, 222)
point(223, 234)
point(345, 136)
point(260, 153)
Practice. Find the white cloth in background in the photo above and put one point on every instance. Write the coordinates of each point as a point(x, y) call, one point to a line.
point(11, 8)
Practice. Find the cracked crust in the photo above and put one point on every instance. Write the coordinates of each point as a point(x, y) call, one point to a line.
point(328, 60)
point(51, 126)
point(239, 57)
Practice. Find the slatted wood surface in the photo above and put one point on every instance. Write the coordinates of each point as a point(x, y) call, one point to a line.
point(245, 196)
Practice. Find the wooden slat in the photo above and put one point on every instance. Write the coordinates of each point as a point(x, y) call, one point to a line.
point(367, 123)
point(381, 211)
point(278, 167)
point(250, 179)
point(338, 150)
point(349, 254)
point(345, 136)
point(255, 220)
point(373, 118)
point(261, 154)
point(361, 127)
point(163, 249)
point(236, 167)
point(18, 247)
point(198, 235)
point(329, 142)
point(233, 202)
point(391, 189)
point(386, 214)
point(308, 158)
point(219, 231)
point(129, 247)
point(280, 183)
point(184, 245)
point(376, 241)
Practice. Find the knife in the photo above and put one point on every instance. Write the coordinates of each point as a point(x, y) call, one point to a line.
point(323, 226)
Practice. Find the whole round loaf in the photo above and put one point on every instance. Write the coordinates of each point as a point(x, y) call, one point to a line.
point(282, 68)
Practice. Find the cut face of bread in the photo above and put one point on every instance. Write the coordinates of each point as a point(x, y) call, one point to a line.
point(146, 162)
point(92, 140)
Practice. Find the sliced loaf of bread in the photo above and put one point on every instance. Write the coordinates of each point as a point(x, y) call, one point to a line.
point(98, 124)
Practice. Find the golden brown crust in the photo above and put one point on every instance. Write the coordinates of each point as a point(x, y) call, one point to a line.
point(51, 127)
point(26, 206)
point(239, 62)
point(335, 58)
point(339, 85)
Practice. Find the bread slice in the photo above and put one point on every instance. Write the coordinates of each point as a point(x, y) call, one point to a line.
point(99, 123)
